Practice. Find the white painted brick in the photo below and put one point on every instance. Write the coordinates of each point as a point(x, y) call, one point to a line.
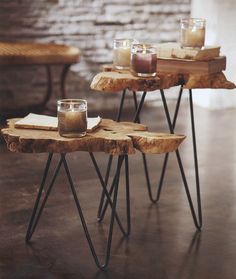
point(90, 25)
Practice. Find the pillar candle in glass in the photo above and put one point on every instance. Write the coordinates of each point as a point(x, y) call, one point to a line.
point(121, 53)
point(192, 32)
point(143, 60)
point(72, 117)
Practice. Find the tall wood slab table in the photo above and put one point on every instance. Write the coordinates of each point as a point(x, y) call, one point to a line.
point(112, 81)
point(121, 139)
point(39, 54)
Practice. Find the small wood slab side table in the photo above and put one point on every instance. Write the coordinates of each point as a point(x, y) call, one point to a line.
point(111, 137)
point(113, 81)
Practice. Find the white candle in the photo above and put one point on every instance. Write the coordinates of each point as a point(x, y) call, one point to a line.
point(192, 33)
point(72, 117)
point(193, 37)
point(121, 53)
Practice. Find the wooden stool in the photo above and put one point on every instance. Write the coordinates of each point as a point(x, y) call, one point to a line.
point(121, 139)
point(25, 54)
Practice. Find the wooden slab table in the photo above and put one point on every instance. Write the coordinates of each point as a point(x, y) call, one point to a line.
point(113, 81)
point(121, 139)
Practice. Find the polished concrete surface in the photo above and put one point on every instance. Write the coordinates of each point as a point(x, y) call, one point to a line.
point(163, 243)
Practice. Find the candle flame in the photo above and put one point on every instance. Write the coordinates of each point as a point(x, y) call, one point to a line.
point(125, 43)
point(144, 49)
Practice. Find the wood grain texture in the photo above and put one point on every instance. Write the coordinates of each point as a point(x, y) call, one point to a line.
point(111, 137)
point(114, 81)
point(37, 54)
point(216, 80)
point(182, 66)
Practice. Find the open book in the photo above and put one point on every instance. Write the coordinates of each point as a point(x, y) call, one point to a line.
point(44, 122)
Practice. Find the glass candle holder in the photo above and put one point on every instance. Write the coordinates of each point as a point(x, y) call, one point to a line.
point(72, 117)
point(121, 53)
point(192, 32)
point(143, 60)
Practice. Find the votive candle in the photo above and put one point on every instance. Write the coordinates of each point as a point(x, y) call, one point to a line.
point(72, 117)
point(143, 60)
point(121, 53)
point(192, 32)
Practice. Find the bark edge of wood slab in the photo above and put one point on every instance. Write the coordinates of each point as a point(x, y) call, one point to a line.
point(115, 138)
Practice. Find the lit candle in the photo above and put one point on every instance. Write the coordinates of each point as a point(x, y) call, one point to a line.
point(143, 60)
point(192, 33)
point(72, 117)
point(121, 53)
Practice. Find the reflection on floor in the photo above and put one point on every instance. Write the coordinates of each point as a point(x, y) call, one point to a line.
point(163, 242)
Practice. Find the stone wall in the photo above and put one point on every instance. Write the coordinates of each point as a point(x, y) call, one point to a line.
point(90, 25)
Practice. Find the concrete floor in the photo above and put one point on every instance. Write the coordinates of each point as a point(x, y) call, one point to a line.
point(163, 242)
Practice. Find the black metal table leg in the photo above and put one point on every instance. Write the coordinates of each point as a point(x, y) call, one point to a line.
point(161, 180)
point(197, 221)
point(113, 213)
point(195, 158)
point(101, 203)
point(109, 194)
point(36, 214)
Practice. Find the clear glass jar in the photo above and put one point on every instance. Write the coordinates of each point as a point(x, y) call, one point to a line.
point(121, 53)
point(192, 32)
point(143, 60)
point(72, 117)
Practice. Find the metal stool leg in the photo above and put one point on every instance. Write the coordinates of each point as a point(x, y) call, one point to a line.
point(197, 222)
point(63, 79)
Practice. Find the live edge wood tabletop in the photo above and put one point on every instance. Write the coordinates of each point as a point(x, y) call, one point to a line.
point(110, 80)
point(110, 137)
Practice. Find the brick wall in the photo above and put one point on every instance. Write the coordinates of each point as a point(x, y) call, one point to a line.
point(90, 25)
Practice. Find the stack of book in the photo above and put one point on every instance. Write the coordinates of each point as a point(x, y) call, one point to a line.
point(174, 59)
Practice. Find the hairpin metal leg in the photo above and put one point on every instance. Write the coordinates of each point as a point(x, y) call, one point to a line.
point(102, 206)
point(37, 213)
point(139, 108)
point(197, 222)
point(36, 216)
point(137, 118)
point(102, 215)
point(195, 158)
point(161, 180)
point(113, 214)
point(108, 194)
point(101, 203)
